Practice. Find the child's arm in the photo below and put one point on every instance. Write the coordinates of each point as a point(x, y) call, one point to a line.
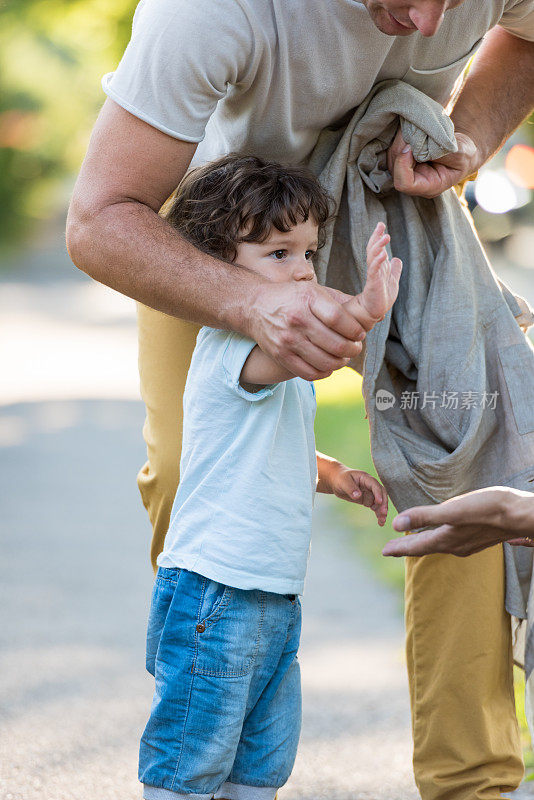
point(352, 485)
point(261, 370)
point(369, 307)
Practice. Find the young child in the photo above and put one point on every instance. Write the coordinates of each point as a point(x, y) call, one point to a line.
point(224, 623)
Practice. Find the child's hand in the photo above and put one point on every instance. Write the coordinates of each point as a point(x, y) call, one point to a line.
point(382, 284)
point(360, 487)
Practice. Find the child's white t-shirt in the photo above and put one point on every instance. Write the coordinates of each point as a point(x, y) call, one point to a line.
point(248, 473)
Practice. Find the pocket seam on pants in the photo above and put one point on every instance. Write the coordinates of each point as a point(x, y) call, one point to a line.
point(219, 607)
point(235, 673)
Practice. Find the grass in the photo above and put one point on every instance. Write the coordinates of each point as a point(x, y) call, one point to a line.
point(342, 432)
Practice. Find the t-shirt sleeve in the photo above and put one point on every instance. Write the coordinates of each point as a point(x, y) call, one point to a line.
point(518, 18)
point(236, 351)
point(181, 58)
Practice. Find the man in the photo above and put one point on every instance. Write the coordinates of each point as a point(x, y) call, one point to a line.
point(200, 79)
point(467, 524)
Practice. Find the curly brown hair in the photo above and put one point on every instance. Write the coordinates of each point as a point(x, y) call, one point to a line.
point(240, 198)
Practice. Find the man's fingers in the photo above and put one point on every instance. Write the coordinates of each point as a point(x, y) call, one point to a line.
point(298, 366)
point(330, 342)
point(434, 177)
point(422, 180)
point(403, 171)
point(396, 147)
point(338, 320)
point(318, 358)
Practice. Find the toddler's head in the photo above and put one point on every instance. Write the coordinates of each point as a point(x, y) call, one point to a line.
point(262, 215)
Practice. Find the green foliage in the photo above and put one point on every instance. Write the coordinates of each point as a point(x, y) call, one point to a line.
point(342, 432)
point(52, 56)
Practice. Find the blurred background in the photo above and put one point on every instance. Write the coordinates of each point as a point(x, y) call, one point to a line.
point(75, 580)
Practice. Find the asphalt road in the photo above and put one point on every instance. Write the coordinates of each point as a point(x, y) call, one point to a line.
point(75, 583)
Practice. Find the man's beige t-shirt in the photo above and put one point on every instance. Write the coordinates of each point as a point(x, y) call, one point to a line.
point(266, 76)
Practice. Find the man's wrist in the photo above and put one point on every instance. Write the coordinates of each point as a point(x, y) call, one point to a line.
point(240, 312)
point(474, 149)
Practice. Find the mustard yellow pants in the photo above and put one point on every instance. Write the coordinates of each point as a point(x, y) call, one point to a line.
point(466, 739)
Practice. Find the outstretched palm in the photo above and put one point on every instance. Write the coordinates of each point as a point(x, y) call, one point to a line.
point(382, 284)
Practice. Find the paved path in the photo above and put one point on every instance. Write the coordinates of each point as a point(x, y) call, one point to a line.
point(74, 582)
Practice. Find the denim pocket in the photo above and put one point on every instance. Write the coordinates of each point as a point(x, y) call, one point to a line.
point(215, 598)
point(228, 633)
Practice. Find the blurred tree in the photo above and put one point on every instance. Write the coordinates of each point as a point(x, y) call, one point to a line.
point(52, 55)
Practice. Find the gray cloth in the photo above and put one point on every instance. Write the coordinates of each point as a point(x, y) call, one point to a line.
point(453, 328)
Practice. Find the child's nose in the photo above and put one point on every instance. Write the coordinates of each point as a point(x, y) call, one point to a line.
point(304, 271)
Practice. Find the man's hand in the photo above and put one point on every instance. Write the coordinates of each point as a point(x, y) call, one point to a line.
point(431, 178)
point(382, 283)
point(306, 328)
point(466, 524)
point(492, 103)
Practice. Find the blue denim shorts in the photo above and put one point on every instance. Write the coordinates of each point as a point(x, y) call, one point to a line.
point(225, 718)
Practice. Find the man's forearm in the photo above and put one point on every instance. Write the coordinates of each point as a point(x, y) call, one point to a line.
point(129, 247)
point(498, 93)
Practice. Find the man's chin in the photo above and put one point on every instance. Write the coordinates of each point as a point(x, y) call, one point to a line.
point(388, 24)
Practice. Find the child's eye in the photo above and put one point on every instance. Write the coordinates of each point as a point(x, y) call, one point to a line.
point(279, 254)
point(309, 254)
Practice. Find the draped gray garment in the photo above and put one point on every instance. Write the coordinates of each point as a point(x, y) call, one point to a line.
point(453, 328)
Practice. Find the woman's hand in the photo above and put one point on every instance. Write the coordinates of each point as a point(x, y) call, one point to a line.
point(466, 524)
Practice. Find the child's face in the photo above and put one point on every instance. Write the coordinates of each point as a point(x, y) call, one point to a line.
point(282, 256)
